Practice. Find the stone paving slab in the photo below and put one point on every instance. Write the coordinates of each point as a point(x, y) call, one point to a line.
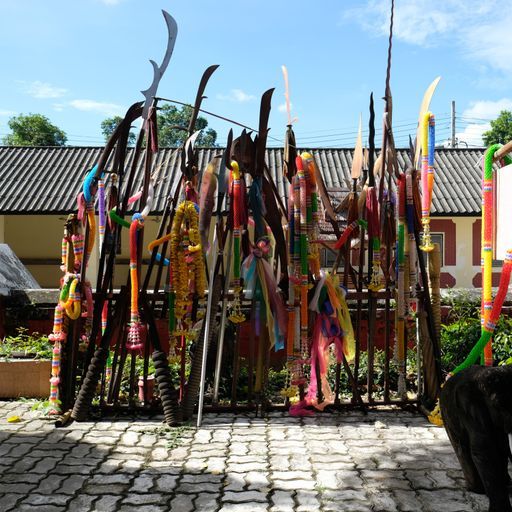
point(389, 460)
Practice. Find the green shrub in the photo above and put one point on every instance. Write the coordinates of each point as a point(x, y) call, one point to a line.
point(457, 340)
point(35, 345)
point(462, 331)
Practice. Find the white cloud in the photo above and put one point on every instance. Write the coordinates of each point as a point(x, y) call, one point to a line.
point(491, 42)
point(58, 107)
point(478, 116)
point(7, 113)
point(282, 107)
point(237, 95)
point(108, 109)
point(44, 90)
point(472, 135)
point(111, 2)
point(484, 110)
point(478, 31)
point(415, 21)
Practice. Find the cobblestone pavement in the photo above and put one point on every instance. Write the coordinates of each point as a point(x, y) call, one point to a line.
point(385, 461)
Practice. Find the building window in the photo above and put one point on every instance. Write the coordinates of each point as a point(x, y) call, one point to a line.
point(438, 238)
point(497, 263)
point(328, 258)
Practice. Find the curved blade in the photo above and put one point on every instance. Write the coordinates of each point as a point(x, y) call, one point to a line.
point(120, 133)
point(411, 149)
point(263, 129)
point(425, 105)
point(290, 151)
point(371, 144)
point(357, 161)
point(207, 200)
point(226, 158)
point(158, 71)
point(199, 96)
point(290, 154)
point(188, 149)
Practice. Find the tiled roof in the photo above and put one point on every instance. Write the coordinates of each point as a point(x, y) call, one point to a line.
point(46, 180)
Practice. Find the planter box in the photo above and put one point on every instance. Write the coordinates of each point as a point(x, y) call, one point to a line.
point(24, 377)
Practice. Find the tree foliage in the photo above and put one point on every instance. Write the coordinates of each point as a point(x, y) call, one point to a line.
point(501, 129)
point(172, 127)
point(110, 124)
point(33, 130)
point(172, 118)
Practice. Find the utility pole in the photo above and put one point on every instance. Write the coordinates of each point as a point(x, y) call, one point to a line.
point(453, 124)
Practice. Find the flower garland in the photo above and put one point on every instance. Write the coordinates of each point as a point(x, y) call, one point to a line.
point(188, 276)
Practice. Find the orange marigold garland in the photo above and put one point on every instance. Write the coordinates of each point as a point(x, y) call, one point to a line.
point(188, 271)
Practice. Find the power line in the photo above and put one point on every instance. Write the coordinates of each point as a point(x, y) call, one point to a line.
point(345, 141)
point(344, 138)
point(485, 120)
point(365, 130)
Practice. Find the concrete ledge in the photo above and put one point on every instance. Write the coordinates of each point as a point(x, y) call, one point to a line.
point(25, 378)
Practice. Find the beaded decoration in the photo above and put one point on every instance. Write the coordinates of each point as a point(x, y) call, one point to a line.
point(55, 379)
point(69, 306)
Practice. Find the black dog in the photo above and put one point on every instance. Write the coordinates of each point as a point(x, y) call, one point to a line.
point(476, 406)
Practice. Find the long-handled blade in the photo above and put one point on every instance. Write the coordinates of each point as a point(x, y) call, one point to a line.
point(425, 105)
point(261, 142)
point(357, 161)
point(158, 71)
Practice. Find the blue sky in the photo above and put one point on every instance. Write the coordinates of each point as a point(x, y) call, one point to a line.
point(80, 61)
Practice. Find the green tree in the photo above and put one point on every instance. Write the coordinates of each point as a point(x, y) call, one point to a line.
point(110, 124)
point(501, 129)
point(33, 130)
point(172, 127)
point(171, 120)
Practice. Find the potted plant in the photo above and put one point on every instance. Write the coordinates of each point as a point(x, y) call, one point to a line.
point(25, 365)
